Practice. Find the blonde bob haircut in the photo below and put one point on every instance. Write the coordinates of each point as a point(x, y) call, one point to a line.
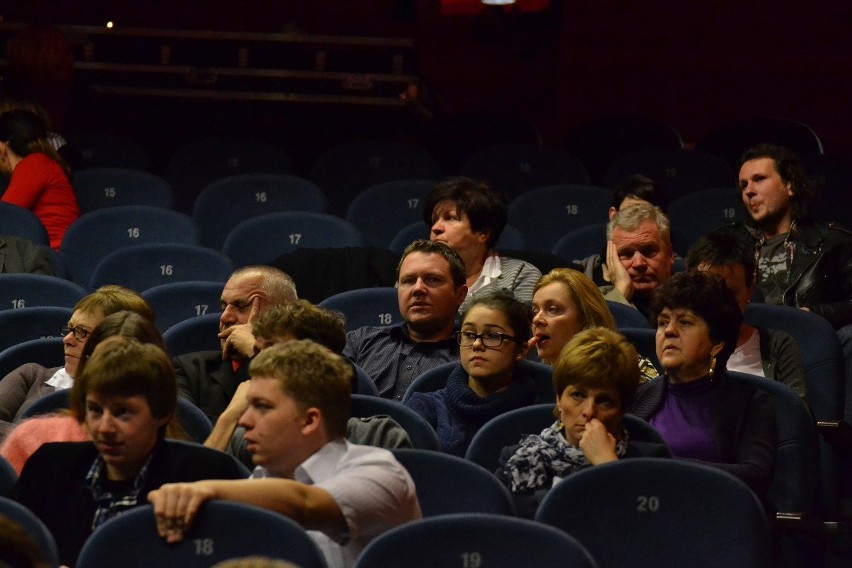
point(313, 377)
point(584, 294)
point(598, 358)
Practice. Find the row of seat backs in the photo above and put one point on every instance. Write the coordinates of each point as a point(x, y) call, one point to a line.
point(454, 141)
point(637, 500)
point(131, 539)
point(616, 512)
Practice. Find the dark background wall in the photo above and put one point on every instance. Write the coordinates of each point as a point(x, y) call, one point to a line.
point(695, 65)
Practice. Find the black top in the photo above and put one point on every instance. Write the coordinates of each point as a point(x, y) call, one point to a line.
point(52, 484)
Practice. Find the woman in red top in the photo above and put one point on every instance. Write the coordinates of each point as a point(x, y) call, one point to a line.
point(39, 177)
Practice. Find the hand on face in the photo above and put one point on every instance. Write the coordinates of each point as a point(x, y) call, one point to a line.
point(176, 506)
point(616, 273)
point(597, 443)
point(237, 340)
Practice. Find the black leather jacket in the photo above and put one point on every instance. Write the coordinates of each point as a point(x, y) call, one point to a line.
point(821, 275)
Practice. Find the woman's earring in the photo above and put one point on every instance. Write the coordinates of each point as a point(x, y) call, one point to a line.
point(712, 366)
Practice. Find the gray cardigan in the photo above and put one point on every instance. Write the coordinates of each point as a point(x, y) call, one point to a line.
point(18, 390)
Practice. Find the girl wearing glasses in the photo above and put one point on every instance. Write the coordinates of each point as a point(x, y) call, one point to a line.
point(493, 338)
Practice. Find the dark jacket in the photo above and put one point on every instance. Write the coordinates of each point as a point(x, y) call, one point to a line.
point(744, 427)
point(821, 274)
point(19, 255)
point(207, 381)
point(52, 484)
point(782, 360)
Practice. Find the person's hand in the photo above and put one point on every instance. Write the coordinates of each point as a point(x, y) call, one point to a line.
point(532, 341)
point(597, 443)
point(238, 342)
point(616, 273)
point(176, 506)
point(239, 402)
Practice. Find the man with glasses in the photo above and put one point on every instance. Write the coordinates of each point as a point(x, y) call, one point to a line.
point(29, 382)
point(430, 289)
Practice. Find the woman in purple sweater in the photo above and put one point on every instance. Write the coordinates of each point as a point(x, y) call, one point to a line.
point(701, 413)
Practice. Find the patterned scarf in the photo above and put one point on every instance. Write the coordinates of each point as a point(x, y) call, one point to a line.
point(547, 458)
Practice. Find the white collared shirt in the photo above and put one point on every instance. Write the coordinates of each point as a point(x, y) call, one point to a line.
point(491, 269)
point(373, 490)
point(60, 380)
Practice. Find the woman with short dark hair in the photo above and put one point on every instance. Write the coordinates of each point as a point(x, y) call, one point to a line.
point(469, 216)
point(701, 413)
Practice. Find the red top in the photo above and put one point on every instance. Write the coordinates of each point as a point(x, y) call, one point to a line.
point(40, 185)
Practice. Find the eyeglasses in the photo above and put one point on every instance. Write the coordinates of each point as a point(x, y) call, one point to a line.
point(491, 339)
point(80, 332)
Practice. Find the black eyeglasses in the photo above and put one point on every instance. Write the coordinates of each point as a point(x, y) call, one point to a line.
point(80, 332)
point(491, 339)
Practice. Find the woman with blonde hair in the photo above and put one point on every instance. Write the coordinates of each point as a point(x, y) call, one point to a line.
point(31, 381)
point(64, 426)
point(565, 302)
point(595, 378)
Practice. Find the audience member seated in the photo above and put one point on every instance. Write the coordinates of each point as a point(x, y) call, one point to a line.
point(66, 426)
point(469, 216)
point(57, 141)
point(800, 263)
point(493, 338)
point(430, 289)
point(343, 493)
point(27, 383)
point(127, 395)
point(639, 255)
point(209, 379)
point(633, 190)
point(288, 322)
point(565, 302)
point(595, 378)
point(38, 175)
point(701, 413)
point(18, 255)
point(769, 353)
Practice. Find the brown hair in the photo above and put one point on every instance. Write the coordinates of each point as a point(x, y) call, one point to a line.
point(457, 268)
point(313, 377)
point(121, 366)
point(598, 358)
point(302, 320)
point(112, 298)
point(26, 133)
point(485, 207)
